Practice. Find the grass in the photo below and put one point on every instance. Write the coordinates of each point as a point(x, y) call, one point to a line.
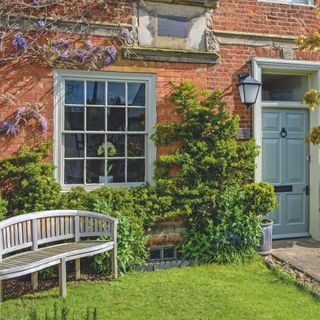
point(247, 291)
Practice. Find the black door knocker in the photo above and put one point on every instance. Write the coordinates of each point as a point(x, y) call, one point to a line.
point(283, 133)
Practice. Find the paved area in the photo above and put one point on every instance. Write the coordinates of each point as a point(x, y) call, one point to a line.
point(302, 253)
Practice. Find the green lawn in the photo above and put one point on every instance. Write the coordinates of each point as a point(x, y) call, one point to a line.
point(248, 291)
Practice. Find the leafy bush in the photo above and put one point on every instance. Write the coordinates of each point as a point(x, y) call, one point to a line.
point(141, 202)
point(233, 238)
point(260, 198)
point(27, 181)
point(204, 174)
point(3, 208)
point(131, 241)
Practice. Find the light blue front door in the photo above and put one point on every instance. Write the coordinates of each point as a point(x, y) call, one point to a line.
point(285, 164)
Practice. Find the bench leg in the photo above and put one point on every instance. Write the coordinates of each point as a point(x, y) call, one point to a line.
point(63, 278)
point(1, 292)
point(77, 266)
point(114, 266)
point(35, 281)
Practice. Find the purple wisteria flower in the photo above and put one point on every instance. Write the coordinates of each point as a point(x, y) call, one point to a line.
point(81, 55)
point(106, 61)
point(43, 124)
point(126, 35)
point(89, 44)
point(98, 49)
point(64, 56)
point(20, 112)
point(112, 52)
point(41, 24)
point(20, 42)
point(62, 43)
point(10, 128)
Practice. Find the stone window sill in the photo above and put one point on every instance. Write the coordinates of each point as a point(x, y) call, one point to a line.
point(168, 55)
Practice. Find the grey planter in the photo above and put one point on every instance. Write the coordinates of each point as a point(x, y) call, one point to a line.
point(266, 238)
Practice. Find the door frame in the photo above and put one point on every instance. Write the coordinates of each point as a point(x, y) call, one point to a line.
point(297, 67)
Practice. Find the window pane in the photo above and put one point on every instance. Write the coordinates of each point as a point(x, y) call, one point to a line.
point(136, 145)
point(136, 94)
point(74, 92)
point(115, 171)
point(96, 92)
point(74, 118)
point(116, 119)
point(95, 145)
point(95, 119)
point(73, 171)
point(168, 253)
point(170, 26)
point(116, 93)
point(116, 145)
point(136, 170)
point(136, 119)
point(74, 145)
point(279, 87)
point(95, 171)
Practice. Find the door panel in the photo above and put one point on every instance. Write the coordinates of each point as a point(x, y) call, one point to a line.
point(270, 167)
point(284, 163)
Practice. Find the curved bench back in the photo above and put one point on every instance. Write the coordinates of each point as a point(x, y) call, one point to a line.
point(38, 228)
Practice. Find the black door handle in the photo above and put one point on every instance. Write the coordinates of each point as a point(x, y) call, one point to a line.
point(283, 133)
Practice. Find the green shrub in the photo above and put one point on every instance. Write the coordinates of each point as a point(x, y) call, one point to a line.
point(27, 181)
point(141, 202)
point(204, 173)
point(3, 208)
point(259, 198)
point(233, 238)
point(132, 241)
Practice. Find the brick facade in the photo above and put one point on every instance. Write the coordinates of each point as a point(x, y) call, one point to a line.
point(33, 83)
point(245, 28)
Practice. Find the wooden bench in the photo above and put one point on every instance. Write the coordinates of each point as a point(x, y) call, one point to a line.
point(40, 231)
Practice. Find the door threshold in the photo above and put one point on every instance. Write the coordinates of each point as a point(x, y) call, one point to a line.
point(291, 236)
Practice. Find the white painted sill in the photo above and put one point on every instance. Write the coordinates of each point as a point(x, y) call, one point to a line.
point(289, 3)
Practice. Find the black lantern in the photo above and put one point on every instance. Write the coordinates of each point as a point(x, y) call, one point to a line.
point(249, 89)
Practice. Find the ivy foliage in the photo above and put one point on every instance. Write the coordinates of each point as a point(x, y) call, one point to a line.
point(131, 241)
point(208, 159)
point(205, 176)
point(3, 208)
point(27, 181)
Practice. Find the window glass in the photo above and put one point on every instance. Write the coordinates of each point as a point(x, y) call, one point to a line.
point(116, 93)
point(136, 94)
point(280, 87)
point(96, 92)
point(170, 26)
point(74, 118)
point(104, 139)
point(74, 92)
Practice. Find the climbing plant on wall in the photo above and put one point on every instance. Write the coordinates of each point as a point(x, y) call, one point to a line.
point(58, 34)
point(311, 42)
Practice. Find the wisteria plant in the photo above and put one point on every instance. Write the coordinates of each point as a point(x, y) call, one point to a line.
point(56, 34)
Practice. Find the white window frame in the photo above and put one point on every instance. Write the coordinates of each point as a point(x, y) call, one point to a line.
point(311, 3)
point(58, 150)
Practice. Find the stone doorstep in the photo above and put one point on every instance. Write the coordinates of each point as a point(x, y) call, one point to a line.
point(301, 254)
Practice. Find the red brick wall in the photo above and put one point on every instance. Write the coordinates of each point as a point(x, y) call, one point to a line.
point(34, 84)
point(264, 17)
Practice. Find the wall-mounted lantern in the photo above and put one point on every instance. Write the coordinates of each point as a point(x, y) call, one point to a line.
point(249, 89)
